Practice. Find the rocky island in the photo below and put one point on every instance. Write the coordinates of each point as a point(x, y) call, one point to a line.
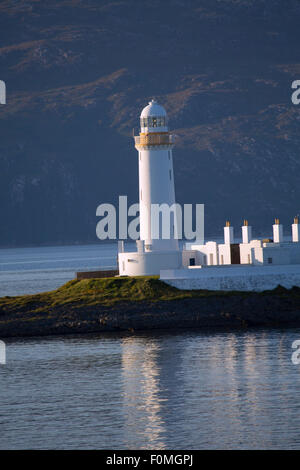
point(142, 303)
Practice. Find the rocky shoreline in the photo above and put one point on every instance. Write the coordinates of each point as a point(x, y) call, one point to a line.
point(37, 316)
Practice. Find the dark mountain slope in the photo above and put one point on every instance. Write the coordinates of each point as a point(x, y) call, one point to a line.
point(78, 74)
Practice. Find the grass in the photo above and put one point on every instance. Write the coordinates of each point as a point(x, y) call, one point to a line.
point(108, 291)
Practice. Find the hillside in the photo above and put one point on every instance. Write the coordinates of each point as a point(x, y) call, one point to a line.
point(78, 73)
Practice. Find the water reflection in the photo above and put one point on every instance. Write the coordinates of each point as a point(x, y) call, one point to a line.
point(222, 390)
point(189, 390)
point(141, 389)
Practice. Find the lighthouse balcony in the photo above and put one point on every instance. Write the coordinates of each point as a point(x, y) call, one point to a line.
point(154, 139)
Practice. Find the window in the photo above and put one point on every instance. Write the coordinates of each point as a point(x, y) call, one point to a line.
point(192, 262)
point(211, 258)
point(161, 121)
point(222, 259)
point(170, 173)
point(153, 121)
point(270, 260)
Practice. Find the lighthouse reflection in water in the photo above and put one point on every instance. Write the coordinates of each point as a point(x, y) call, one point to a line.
point(209, 391)
point(185, 390)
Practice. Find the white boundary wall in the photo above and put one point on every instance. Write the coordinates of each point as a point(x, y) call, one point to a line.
point(239, 278)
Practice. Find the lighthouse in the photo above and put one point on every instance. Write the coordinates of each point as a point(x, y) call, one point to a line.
point(158, 245)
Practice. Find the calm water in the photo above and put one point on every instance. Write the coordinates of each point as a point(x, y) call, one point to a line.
point(166, 391)
point(31, 270)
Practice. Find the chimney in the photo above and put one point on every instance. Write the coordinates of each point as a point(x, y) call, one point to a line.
point(121, 246)
point(277, 232)
point(228, 234)
point(295, 230)
point(140, 246)
point(246, 232)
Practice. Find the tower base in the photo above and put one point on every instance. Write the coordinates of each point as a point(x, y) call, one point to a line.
point(148, 263)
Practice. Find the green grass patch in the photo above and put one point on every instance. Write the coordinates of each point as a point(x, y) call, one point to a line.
point(110, 291)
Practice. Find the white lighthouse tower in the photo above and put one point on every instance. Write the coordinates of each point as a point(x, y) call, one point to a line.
point(158, 247)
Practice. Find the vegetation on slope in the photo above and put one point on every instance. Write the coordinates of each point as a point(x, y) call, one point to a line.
point(108, 292)
point(88, 292)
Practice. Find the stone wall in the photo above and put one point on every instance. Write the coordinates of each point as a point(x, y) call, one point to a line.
point(96, 274)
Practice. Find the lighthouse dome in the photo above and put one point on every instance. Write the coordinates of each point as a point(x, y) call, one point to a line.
point(154, 118)
point(153, 109)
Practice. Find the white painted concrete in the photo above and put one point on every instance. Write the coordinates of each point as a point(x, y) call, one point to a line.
point(246, 234)
point(156, 184)
point(239, 278)
point(207, 253)
point(228, 235)
point(278, 233)
point(157, 249)
point(224, 253)
point(188, 256)
point(296, 232)
point(246, 251)
point(148, 263)
point(156, 178)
